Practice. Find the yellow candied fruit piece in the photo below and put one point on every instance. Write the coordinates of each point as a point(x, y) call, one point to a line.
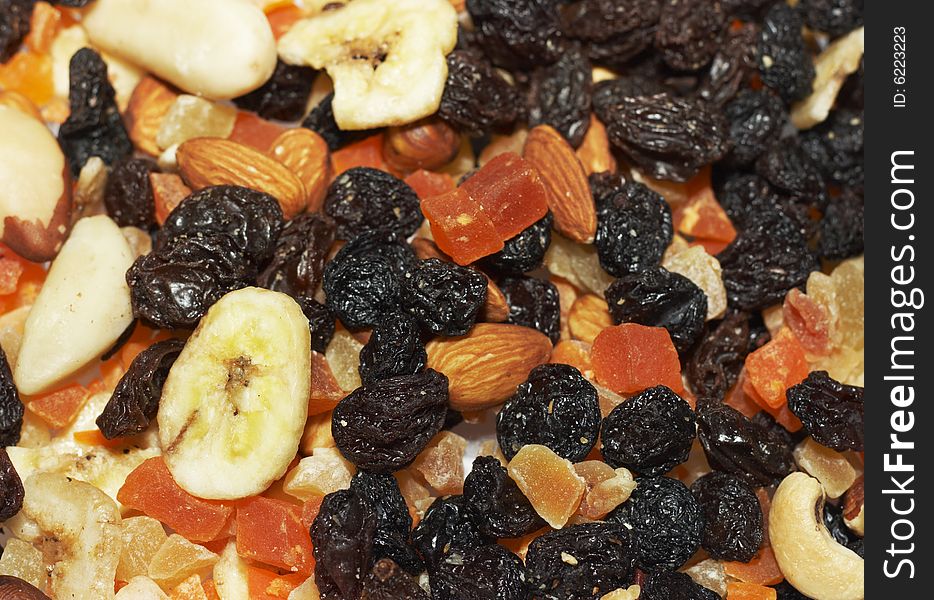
point(177, 560)
point(828, 466)
point(441, 463)
point(190, 117)
point(549, 482)
point(142, 538)
point(343, 356)
point(20, 559)
point(320, 474)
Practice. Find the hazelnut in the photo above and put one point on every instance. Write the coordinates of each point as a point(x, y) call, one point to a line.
point(427, 144)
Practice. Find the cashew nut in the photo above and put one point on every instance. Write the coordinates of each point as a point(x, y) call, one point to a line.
point(808, 556)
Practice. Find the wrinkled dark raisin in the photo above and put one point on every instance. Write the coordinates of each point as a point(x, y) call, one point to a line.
point(714, 365)
point(777, 430)
point(446, 526)
point(670, 585)
point(756, 119)
point(517, 34)
point(14, 25)
point(559, 95)
point(743, 196)
point(362, 199)
point(581, 562)
point(688, 33)
point(734, 444)
point(135, 401)
point(363, 282)
point(603, 186)
point(554, 407)
point(791, 171)
point(836, 148)
point(394, 348)
point(607, 94)
point(392, 538)
point(836, 526)
point(485, 573)
point(633, 229)
point(11, 407)
point(852, 94)
point(533, 303)
point(382, 426)
point(495, 502)
point(444, 298)
point(321, 121)
point(785, 591)
point(832, 413)
point(297, 263)
point(387, 582)
point(784, 62)
point(732, 516)
point(614, 31)
point(342, 535)
point(732, 66)
point(659, 298)
point(666, 520)
point(525, 251)
point(833, 17)
point(766, 259)
point(320, 322)
point(94, 126)
point(11, 488)
point(669, 138)
point(72, 3)
point(283, 96)
point(842, 226)
point(650, 433)
point(128, 193)
point(476, 98)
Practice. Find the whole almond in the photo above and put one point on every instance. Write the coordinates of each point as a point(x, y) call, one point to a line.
point(214, 161)
point(565, 181)
point(485, 366)
point(594, 152)
point(589, 315)
point(305, 153)
point(427, 144)
point(149, 103)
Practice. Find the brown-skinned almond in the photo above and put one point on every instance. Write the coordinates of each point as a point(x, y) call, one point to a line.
point(305, 153)
point(149, 103)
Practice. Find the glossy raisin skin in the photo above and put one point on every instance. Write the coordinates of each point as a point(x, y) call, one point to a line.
point(11, 407)
point(135, 401)
point(604, 557)
point(394, 348)
point(495, 502)
point(715, 364)
point(320, 322)
point(732, 66)
point(650, 433)
point(613, 31)
point(732, 516)
point(297, 264)
point(517, 34)
point(533, 303)
point(284, 95)
point(363, 199)
point(743, 196)
point(11, 488)
point(635, 208)
point(476, 98)
point(484, 573)
point(393, 537)
point(832, 412)
point(657, 297)
point(321, 121)
point(836, 526)
point(14, 25)
point(382, 426)
point(343, 535)
point(128, 193)
point(554, 407)
point(94, 126)
point(688, 33)
point(784, 62)
point(671, 585)
point(836, 148)
point(525, 251)
point(388, 582)
point(790, 171)
point(843, 226)
point(669, 138)
point(559, 96)
point(736, 445)
point(833, 17)
point(785, 591)
point(444, 298)
point(606, 94)
point(666, 519)
point(756, 119)
point(446, 526)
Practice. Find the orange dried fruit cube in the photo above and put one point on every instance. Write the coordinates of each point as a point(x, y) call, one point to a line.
point(325, 391)
point(281, 18)
point(427, 183)
point(271, 532)
point(210, 591)
point(761, 570)
point(738, 590)
point(59, 408)
point(10, 272)
point(589, 315)
point(460, 228)
point(177, 559)
point(266, 585)
point(253, 131)
point(43, 27)
point(703, 217)
point(775, 367)
point(808, 320)
point(310, 510)
point(574, 353)
point(151, 490)
point(510, 191)
point(549, 482)
point(740, 400)
point(30, 74)
point(368, 152)
point(629, 358)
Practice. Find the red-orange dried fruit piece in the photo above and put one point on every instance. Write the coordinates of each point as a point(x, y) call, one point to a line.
point(738, 590)
point(266, 585)
point(761, 570)
point(703, 217)
point(460, 228)
point(629, 358)
point(427, 184)
point(368, 152)
point(254, 131)
point(808, 320)
point(271, 532)
point(325, 391)
point(59, 408)
point(775, 367)
point(511, 193)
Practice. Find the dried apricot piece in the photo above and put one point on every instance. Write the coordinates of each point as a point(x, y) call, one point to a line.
point(266, 585)
point(325, 390)
point(168, 190)
point(256, 132)
point(271, 532)
point(761, 570)
point(427, 184)
point(510, 191)
point(574, 353)
point(775, 367)
point(703, 217)
point(549, 482)
point(59, 408)
point(738, 590)
point(460, 228)
point(368, 152)
point(808, 320)
point(629, 358)
point(30, 74)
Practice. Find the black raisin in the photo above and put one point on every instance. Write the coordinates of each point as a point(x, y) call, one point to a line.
point(11, 407)
point(559, 95)
point(732, 516)
point(72, 3)
point(836, 526)
point(732, 66)
point(832, 413)
point(836, 148)
point(135, 400)
point(554, 407)
point(581, 562)
point(614, 31)
point(533, 303)
point(788, 168)
point(666, 520)
point(657, 297)
point(444, 298)
point(744, 196)
point(525, 251)
point(784, 61)
point(670, 585)
point(394, 348)
point(321, 121)
point(15, 16)
point(128, 193)
point(297, 263)
point(633, 230)
point(283, 96)
point(382, 426)
point(756, 119)
point(11, 488)
point(734, 444)
point(446, 526)
point(603, 186)
point(320, 322)
point(392, 538)
point(485, 573)
point(688, 33)
point(842, 226)
point(495, 502)
point(650, 433)
point(362, 199)
point(476, 98)
point(607, 94)
point(785, 591)
point(342, 535)
point(387, 582)
point(517, 34)
point(94, 126)
point(714, 365)
point(833, 17)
